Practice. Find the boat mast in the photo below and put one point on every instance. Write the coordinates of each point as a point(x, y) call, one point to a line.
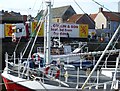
point(48, 36)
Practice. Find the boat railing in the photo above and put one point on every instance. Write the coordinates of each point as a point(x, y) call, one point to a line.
point(113, 73)
point(77, 76)
point(95, 78)
point(104, 85)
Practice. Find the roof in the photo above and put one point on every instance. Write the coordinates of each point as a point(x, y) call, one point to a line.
point(59, 11)
point(12, 17)
point(12, 13)
point(6, 13)
point(112, 16)
point(56, 12)
point(93, 16)
point(74, 18)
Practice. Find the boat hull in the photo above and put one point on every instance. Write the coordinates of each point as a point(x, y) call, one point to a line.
point(14, 83)
point(12, 86)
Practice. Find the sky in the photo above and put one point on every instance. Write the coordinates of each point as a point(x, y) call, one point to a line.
point(26, 7)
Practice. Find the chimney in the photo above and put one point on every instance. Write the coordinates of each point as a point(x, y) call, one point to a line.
point(100, 9)
point(6, 11)
point(2, 11)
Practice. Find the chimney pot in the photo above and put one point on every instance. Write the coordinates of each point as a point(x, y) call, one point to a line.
point(100, 9)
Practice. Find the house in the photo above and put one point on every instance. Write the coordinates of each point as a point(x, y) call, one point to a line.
point(106, 19)
point(106, 22)
point(59, 14)
point(82, 19)
point(12, 17)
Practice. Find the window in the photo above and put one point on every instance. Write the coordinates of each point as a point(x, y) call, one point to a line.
point(109, 25)
point(57, 20)
point(19, 30)
point(102, 26)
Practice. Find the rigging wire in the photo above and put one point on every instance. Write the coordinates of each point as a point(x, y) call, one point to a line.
point(31, 37)
point(22, 32)
point(90, 19)
point(105, 8)
point(87, 16)
point(41, 7)
point(52, 3)
point(116, 14)
point(101, 5)
point(34, 5)
point(84, 12)
point(79, 7)
point(113, 47)
point(108, 55)
point(16, 46)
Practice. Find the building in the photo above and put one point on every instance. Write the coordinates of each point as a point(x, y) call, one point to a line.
point(106, 22)
point(12, 17)
point(82, 19)
point(59, 14)
point(106, 19)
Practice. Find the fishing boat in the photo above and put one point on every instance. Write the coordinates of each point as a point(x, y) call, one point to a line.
point(39, 74)
point(61, 54)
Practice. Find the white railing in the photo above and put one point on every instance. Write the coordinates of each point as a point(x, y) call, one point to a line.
point(97, 77)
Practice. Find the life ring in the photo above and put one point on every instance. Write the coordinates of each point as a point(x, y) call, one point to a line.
point(36, 57)
point(50, 69)
point(13, 37)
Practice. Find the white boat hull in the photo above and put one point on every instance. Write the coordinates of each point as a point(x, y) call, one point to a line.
point(16, 83)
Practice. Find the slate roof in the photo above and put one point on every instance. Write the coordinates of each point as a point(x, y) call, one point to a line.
point(56, 12)
point(59, 11)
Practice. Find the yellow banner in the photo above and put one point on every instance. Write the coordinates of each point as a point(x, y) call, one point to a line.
point(41, 32)
point(8, 30)
point(83, 28)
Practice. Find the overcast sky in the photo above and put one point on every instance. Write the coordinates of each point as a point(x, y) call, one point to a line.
point(33, 6)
